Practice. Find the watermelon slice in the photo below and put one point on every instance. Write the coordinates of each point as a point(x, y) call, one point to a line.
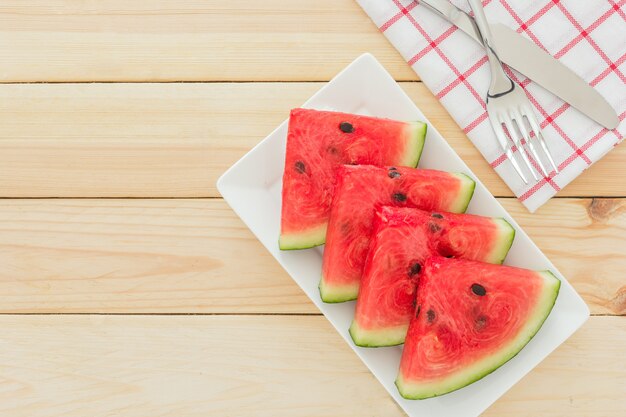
point(360, 190)
point(471, 318)
point(403, 239)
point(318, 142)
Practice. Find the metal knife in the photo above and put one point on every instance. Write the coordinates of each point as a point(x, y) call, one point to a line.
point(532, 61)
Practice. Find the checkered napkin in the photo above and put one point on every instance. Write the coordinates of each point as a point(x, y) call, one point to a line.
point(589, 36)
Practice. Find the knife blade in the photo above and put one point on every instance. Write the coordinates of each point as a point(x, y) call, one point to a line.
point(532, 61)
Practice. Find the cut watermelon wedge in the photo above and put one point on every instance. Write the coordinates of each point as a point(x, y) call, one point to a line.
point(403, 239)
point(318, 142)
point(360, 190)
point(471, 318)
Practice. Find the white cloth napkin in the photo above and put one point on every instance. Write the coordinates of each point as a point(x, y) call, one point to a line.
point(588, 36)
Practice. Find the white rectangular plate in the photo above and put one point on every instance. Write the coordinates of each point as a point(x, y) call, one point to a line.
point(252, 187)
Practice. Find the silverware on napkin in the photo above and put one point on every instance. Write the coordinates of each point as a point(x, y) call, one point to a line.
point(508, 106)
point(529, 59)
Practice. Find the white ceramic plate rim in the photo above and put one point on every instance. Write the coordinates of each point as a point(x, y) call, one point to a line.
point(252, 188)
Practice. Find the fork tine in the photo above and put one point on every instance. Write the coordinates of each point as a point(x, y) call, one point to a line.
point(497, 128)
point(519, 121)
point(515, 138)
point(537, 131)
point(543, 144)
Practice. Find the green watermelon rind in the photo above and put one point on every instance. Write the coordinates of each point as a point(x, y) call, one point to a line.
point(338, 293)
point(468, 186)
point(377, 338)
point(304, 240)
point(503, 243)
point(416, 136)
point(488, 365)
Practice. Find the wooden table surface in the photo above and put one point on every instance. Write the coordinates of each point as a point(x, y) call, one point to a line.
point(129, 288)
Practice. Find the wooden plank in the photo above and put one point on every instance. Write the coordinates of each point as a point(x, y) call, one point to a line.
point(257, 366)
point(196, 256)
point(174, 140)
point(190, 40)
point(584, 238)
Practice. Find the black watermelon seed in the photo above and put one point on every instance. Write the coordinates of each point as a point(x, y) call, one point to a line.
point(394, 174)
point(392, 168)
point(478, 289)
point(399, 197)
point(436, 215)
point(415, 269)
point(430, 316)
point(346, 127)
point(434, 227)
point(449, 256)
point(300, 167)
point(481, 322)
point(417, 313)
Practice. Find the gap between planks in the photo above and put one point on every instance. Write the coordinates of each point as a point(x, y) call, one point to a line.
point(213, 314)
point(169, 314)
point(503, 197)
point(305, 81)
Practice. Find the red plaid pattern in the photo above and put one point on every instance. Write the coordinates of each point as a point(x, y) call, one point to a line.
point(587, 36)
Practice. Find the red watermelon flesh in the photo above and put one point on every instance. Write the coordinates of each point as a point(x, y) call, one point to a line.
point(471, 318)
point(318, 143)
point(403, 239)
point(360, 190)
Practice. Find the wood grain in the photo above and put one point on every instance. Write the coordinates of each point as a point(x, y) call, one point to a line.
point(174, 140)
point(257, 366)
point(249, 356)
point(196, 256)
point(187, 40)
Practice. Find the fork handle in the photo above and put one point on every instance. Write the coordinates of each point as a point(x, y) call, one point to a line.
point(500, 82)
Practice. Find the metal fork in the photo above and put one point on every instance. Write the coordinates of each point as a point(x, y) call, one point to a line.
point(508, 105)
